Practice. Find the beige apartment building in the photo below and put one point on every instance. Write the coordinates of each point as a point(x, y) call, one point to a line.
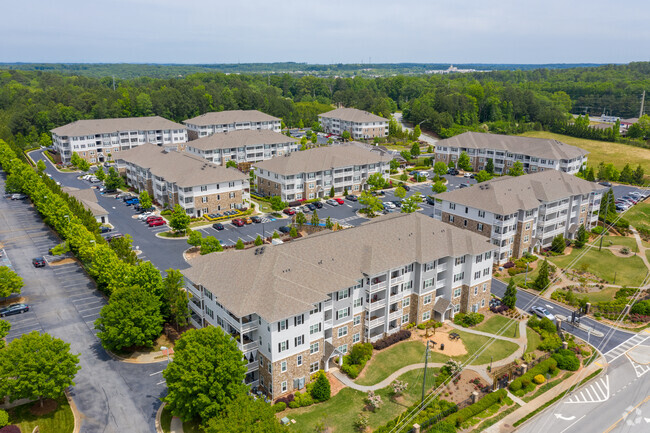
point(228, 121)
point(522, 214)
point(535, 154)
point(312, 173)
point(360, 124)
point(198, 186)
point(100, 140)
point(310, 300)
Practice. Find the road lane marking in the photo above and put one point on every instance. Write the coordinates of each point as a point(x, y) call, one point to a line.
point(573, 423)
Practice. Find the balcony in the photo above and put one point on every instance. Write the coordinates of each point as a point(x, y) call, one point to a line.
point(196, 308)
point(252, 366)
point(376, 321)
point(441, 267)
point(376, 304)
point(441, 283)
point(395, 280)
point(395, 315)
point(247, 347)
point(378, 286)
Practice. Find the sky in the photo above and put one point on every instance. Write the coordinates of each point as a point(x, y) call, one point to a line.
point(325, 31)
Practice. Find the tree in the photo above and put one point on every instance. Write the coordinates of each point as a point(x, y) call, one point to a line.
point(394, 165)
point(415, 150)
point(206, 374)
point(101, 175)
point(277, 204)
point(517, 169)
point(400, 192)
point(376, 181)
point(10, 282)
point(321, 391)
point(581, 237)
point(113, 179)
point(464, 162)
point(245, 415)
point(590, 176)
point(440, 168)
point(293, 232)
point(195, 239)
point(275, 235)
point(37, 366)
point(146, 276)
point(239, 245)
point(75, 159)
point(371, 203)
point(210, 244)
point(328, 223)
point(416, 132)
point(259, 241)
point(411, 204)
point(542, 280)
point(314, 139)
point(231, 163)
point(510, 296)
point(314, 219)
point(451, 164)
point(438, 187)
point(14, 184)
point(131, 318)
point(301, 219)
point(489, 167)
point(179, 220)
point(332, 192)
point(145, 200)
point(482, 176)
point(559, 244)
point(346, 135)
point(84, 165)
point(626, 175)
point(5, 327)
point(637, 177)
point(174, 299)
point(124, 250)
point(40, 165)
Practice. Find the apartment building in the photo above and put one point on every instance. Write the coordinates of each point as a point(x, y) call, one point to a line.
point(312, 173)
point(535, 154)
point(310, 300)
point(89, 201)
point(100, 140)
point(227, 121)
point(360, 124)
point(170, 177)
point(243, 146)
point(522, 214)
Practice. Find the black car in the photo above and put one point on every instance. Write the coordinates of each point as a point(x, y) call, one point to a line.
point(14, 309)
point(256, 219)
point(311, 207)
point(128, 197)
point(104, 229)
point(38, 262)
point(405, 186)
point(431, 201)
point(285, 229)
point(605, 183)
point(453, 172)
point(318, 204)
point(107, 190)
point(217, 226)
point(352, 197)
point(464, 185)
point(397, 203)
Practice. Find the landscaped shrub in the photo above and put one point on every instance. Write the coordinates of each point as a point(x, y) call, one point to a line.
point(550, 342)
point(567, 360)
point(321, 390)
point(468, 320)
point(280, 406)
point(356, 360)
point(464, 414)
point(509, 265)
point(642, 307)
point(597, 230)
point(391, 339)
point(539, 379)
point(10, 429)
point(4, 418)
point(546, 366)
point(546, 324)
point(437, 407)
point(301, 399)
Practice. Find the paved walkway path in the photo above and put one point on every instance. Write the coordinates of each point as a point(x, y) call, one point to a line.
point(176, 426)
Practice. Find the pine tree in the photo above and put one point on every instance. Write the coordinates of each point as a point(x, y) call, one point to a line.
point(581, 237)
point(637, 178)
point(489, 167)
point(559, 244)
point(590, 175)
point(542, 281)
point(510, 297)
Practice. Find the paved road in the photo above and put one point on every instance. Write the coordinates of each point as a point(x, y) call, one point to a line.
point(429, 139)
point(525, 300)
point(615, 402)
point(112, 396)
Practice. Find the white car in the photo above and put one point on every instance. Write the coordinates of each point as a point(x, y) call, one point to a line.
point(144, 216)
point(389, 205)
point(467, 175)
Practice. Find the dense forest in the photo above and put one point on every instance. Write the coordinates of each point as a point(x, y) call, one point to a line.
point(33, 102)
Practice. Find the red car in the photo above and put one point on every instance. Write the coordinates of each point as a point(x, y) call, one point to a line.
point(339, 200)
point(155, 223)
point(238, 222)
point(289, 211)
point(153, 218)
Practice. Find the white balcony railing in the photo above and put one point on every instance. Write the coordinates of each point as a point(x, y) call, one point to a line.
point(379, 303)
point(252, 366)
point(248, 346)
point(376, 322)
point(377, 287)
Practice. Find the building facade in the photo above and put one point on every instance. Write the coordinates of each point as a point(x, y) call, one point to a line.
point(535, 154)
point(171, 178)
point(524, 213)
point(100, 140)
point(228, 121)
point(312, 173)
point(244, 147)
point(360, 124)
point(312, 299)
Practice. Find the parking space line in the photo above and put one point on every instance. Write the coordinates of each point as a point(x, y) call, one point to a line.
point(91, 315)
point(31, 325)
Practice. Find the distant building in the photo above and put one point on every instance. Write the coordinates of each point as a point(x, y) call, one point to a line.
point(535, 154)
point(360, 124)
point(88, 199)
point(95, 139)
point(243, 146)
point(198, 186)
point(226, 121)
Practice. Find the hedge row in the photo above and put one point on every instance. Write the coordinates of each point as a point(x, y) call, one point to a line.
point(356, 360)
point(435, 408)
point(464, 414)
point(391, 339)
point(546, 366)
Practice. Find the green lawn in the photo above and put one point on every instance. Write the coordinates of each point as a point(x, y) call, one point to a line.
point(263, 206)
point(629, 271)
point(59, 421)
point(495, 325)
point(533, 340)
point(520, 278)
point(499, 349)
point(624, 241)
point(639, 215)
point(615, 153)
point(340, 412)
point(391, 359)
point(607, 294)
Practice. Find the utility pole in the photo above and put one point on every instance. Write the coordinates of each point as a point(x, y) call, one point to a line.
point(113, 83)
point(424, 380)
point(642, 103)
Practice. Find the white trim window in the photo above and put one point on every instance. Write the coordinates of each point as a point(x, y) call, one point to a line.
point(426, 316)
point(426, 300)
point(314, 348)
point(283, 366)
point(457, 292)
point(343, 331)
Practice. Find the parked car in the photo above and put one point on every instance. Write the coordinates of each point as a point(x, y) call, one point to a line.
point(389, 205)
point(152, 217)
point(155, 223)
point(248, 220)
point(332, 202)
point(114, 236)
point(318, 204)
point(289, 211)
point(217, 226)
point(453, 172)
point(39, 262)
point(132, 201)
point(14, 309)
point(121, 195)
point(145, 215)
point(339, 200)
point(18, 197)
point(352, 197)
point(93, 179)
point(256, 219)
point(285, 229)
point(431, 201)
point(382, 193)
point(542, 312)
point(405, 186)
point(397, 203)
point(104, 229)
point(605, 183)
point(238, 222)
point(467, 175)
point(464, 185)
point(105, 190)
point(127, 196)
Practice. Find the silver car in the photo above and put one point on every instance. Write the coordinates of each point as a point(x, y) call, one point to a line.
point(542, 312)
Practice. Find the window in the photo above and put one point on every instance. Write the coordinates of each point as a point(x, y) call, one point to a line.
point(406, 302)
point(426, 316)
point(282, 325)
point(299, 320)
point(427, 283)
point(452, 206)
point(356, 338)
point(456, 308)
point(485, 287)
point(313, 348)
point(451, 218)
point(527, 226)
point(457, 292)
point(343, 331)
point(405, 319)
point(342, 313)
point(209, 312)
point(283, 367)
point(357, 302)
point(479, 258)
point(313, 367)
point(482, 303)
point(284, 386)
point(481, 214)
point(477, 274)
point(459, 277)
point(299, 340)
point(429, 266)
point(313, 329)
point(464, 223)
point(488, 255)
point(269, 368)
point(479, 227)
point(476, 290)
point(426, 300)
point(357, 320)
point(459, 260)
point(526, 238)
point(342, 294)
point(343, 349)
point(283, 345)
point(204, 199)
point(204, 188)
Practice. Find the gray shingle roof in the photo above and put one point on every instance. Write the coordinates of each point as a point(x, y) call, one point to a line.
point(352, 115)
point(505, 195)
point(181, 168)
point(231, 116)
point(536, 147)
point(290, 278)
point(108, 126)
point(87, 198)
point(241, 138)
point(321, 158)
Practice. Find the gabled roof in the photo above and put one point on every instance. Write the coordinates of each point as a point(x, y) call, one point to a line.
point(229, 117)
point(506, 194)
point(181, 168)
point(321, 158)
point(107, 126)
point(240, 138)
point(290, 278)
point(352, 115)
point(87, 198)
point(536, 147)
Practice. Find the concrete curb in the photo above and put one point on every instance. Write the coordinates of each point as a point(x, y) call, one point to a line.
point(184, 238)
point(159, 428)
point(130, 361)
point(75, 413)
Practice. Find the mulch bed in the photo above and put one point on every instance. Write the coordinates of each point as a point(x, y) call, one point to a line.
point(49, 405)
